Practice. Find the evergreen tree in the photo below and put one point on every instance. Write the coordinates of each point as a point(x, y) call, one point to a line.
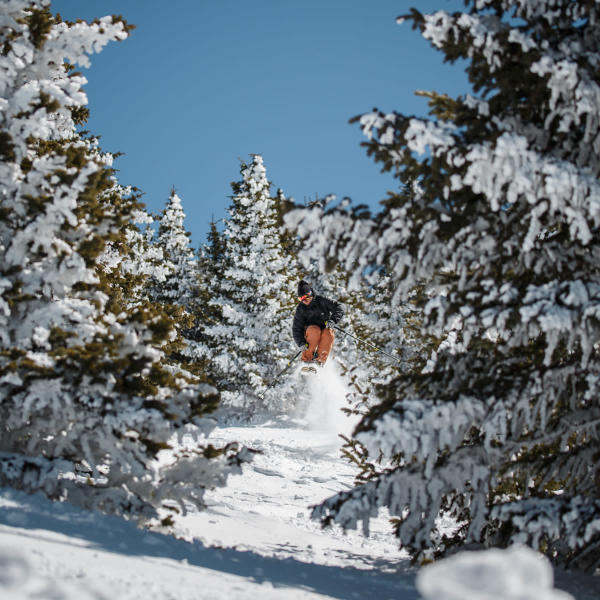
point(177, 291)
point(179, 285)
point(210, 268)
point(211, 255)
point(501, 431)
point(254, 294)
point(86, 399)
point(131, 260)
point(381, 355)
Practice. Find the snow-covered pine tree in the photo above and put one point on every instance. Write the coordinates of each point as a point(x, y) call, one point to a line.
point(179, 287)
point(211, 256)
point(502, 431)
point(178, 290)
point(254, 293)
point(86, 403)
point(132, 259)
point(381, 355)
point(210, 268)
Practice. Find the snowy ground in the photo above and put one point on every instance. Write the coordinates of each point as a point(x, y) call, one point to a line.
point(255, 540)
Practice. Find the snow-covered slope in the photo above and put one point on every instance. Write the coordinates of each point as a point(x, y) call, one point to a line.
point(255, 540)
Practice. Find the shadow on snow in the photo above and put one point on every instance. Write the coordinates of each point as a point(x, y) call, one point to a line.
point(113, 534)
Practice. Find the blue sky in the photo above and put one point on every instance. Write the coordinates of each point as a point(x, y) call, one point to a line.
point(201, 84)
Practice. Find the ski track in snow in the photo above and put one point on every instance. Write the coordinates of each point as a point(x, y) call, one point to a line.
point(254, 540)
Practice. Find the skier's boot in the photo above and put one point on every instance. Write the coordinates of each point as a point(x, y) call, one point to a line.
point(314, 366)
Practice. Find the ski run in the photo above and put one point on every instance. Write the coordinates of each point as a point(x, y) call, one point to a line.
point(255, 539)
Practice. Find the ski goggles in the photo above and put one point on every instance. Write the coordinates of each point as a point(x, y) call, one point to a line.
point(303, 298)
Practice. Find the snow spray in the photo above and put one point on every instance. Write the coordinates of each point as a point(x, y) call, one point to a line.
point(327, 391)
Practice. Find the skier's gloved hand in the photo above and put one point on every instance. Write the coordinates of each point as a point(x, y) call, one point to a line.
point(330, 324)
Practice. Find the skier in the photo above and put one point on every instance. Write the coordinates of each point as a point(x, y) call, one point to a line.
point(313, 324)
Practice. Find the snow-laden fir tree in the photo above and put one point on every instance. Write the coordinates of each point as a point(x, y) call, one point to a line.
point(86, 398)
point(501, 431)
point(205, 314)
point(211, 257)
point(210, 268)
point(179, 287)
point(255, 295)
point(132, 260)
point(179, 290)
point(383, 350)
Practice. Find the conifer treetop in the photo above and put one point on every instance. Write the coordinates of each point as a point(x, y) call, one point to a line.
point(172, 234)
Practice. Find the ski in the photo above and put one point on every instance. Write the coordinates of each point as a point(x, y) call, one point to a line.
point(311, 368)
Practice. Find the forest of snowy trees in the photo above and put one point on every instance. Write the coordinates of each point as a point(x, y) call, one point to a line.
point(480, 274)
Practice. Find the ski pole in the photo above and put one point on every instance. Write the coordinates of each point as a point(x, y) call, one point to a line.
point(367, 343)
point(286, 368)
point(289, 364)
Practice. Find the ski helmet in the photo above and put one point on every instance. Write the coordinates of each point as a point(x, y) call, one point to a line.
point(304, 288)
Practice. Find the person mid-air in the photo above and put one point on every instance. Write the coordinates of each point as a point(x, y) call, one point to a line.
point(314, 322)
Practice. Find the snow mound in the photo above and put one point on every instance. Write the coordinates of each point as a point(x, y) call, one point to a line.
point(517, 573)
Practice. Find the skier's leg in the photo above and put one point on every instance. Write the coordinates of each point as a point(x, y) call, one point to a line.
point(325, 345)
point(311, 335)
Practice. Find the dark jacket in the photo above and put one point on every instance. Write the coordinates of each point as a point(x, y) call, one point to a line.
point(316, 313)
